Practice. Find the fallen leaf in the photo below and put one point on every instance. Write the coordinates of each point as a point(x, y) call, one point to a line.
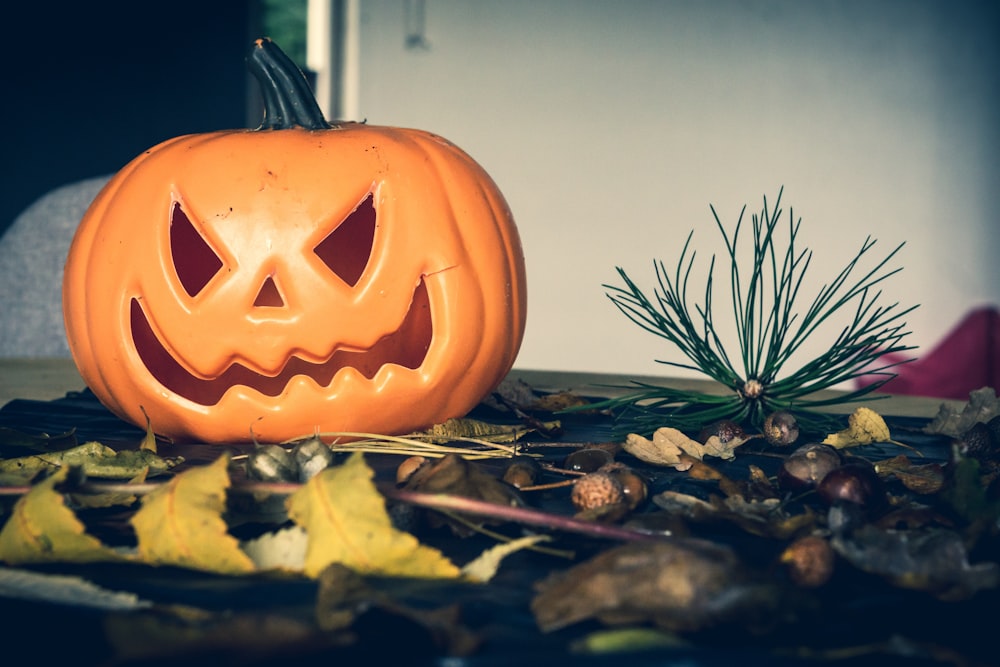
point(180, 523)
point(99, 500)
point(347, 523)
point(129, 463)
point(42, 529)
point(149, 440)
point(625, 640)
point(766, 518)
point(466, 428)
point(924, 479)
point(723, 449)
point(667, 447)
point(95, 459)
point(485, 566)
point(680, 585)
point(558, 402)
point(935, 561)
point(33, 464)
point(982, 406)
point(454, 475)
point(864, 427)
point(344, 596)
point(66, 590)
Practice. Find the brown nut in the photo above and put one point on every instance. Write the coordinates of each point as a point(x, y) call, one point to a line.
point(854, 482)
point(809, 561)
point(409, 466)
point(725, 430)
point(807, 465)
point(781, 428)
point(587, 459)
point(522, 471)
point(633, 484)
point(596, 489)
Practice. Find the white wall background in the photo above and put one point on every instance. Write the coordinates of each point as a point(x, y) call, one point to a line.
point(611, 127)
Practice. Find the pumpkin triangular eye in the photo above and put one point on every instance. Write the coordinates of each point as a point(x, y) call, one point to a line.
point(347, 249)
point(194, 260)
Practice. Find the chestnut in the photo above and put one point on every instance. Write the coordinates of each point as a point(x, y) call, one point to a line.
point(854, 482)
point(807, 465)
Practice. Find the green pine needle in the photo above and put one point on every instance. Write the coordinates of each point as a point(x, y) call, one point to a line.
point(769, 330)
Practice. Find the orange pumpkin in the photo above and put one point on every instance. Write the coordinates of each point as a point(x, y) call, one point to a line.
point(301, 277)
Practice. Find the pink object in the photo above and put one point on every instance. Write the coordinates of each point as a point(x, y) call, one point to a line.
point(968, 358)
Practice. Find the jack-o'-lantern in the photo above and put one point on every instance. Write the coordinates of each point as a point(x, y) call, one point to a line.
point(302, 277)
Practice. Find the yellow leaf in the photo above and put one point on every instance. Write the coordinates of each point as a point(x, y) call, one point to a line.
point(149, 440)
point(41, 529)
point(485, 566)
point(347, 523)
point(181, 523)
point(865, 426)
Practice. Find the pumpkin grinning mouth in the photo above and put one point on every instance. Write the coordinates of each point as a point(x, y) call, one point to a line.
point(407, 347)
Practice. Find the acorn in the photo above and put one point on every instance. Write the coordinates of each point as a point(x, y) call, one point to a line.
point(724, 429)
point(633, 484)
point(807, 465)
point(597, 489)
point(781, 428)
point(980, 442)
point(587, 459)
point(522, 471)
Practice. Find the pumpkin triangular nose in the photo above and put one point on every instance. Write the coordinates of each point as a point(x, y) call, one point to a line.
point(269, 296)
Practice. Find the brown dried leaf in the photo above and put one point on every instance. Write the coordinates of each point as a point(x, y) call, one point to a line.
point(924, 479)
point(723, 449)
point(455, 476)
point(344, 595)
point(935, 560)
point(681, 585)
point(667, 447)
point(982, 406)
point(765, 518)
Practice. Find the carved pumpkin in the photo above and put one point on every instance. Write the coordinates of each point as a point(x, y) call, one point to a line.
point(301, 277)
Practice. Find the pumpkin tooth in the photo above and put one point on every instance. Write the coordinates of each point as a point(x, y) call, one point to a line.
point(407, 347)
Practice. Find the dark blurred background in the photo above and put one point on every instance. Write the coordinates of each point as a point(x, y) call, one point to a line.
point(90, 85)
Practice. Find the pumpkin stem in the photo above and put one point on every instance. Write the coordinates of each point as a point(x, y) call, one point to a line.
point(288, 100)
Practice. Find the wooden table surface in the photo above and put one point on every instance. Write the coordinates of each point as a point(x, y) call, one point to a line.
point(46, 379)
